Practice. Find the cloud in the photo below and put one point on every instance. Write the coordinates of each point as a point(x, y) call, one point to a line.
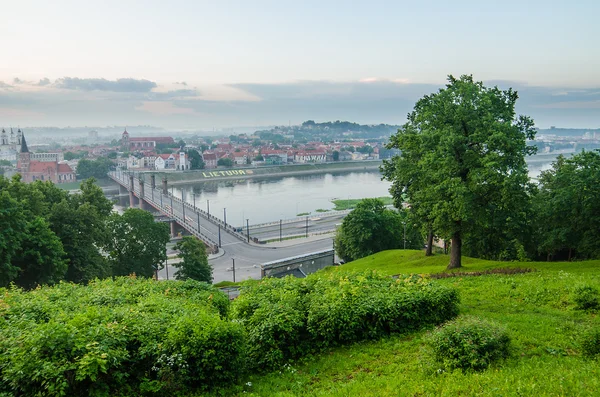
point(181, 83)
point(4, 85)
point(119, 85)
point(378, 101)
point(163, 108)
point(17, 80)
point(43, 82)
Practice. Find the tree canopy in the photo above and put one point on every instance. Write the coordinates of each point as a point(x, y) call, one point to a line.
point(137, 244)
point(371, 228)
point(194, 264)
point(462, 165)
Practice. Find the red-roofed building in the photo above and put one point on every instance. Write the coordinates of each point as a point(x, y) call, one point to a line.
point(143, 143)
point(42, 170)
point(210, 160)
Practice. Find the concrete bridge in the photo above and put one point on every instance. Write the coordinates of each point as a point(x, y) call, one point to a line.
point(144, 193)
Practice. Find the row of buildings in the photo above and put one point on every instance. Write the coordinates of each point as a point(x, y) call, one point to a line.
point(34, 166)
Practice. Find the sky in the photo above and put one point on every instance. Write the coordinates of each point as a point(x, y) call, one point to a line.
point(196, 64)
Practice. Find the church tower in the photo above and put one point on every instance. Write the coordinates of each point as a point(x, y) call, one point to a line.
point(24, 157)
point(3, 138)
point(125, 140)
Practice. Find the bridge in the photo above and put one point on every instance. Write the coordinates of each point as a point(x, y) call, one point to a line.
point(145, 194)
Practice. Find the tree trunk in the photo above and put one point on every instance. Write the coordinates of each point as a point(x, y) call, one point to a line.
point(455, 251)
point(570, 252)
point(429, 250)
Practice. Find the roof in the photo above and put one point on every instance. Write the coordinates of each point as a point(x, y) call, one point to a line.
point(159, 139)
point(65, 168)
point(209, 156)
point(24, 148)
point(41, 166)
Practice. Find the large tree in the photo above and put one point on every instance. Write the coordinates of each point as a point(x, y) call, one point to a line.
point(194, 264)
point(137, 244)
point(462, 161)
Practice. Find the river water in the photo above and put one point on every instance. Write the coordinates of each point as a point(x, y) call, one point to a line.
point(270, 199)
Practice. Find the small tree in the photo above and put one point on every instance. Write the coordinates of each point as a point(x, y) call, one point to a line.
point(225, 162)
point(194, 264)
point(372, 228)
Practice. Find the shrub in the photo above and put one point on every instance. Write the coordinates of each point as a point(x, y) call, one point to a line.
point(287, 318)
point(123, 336)
point(348, 308)
point(586, 298)
point(469, 344)
point(590, 343)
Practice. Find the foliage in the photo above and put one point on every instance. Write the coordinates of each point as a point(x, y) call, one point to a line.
point(13, 225)
point(288, 318)
point(124, 336)
point(336, 155)
point(462, 164)
point(225, 162)
point(590, 343)
point(568, 207)
point(196, 161)
point(586, 297)
point(137, 244)
point(40, 257)
point(371, 228)
point(469, 344)
point(194, 264)
point(346, 204)
point(94, 168)
point(112, 155)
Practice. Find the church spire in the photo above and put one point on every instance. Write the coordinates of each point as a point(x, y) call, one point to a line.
point(24, 148)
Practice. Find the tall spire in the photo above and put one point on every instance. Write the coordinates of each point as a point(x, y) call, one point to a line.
point(24, 148)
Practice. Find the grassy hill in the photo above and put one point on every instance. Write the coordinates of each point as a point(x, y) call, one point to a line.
point(537, 308)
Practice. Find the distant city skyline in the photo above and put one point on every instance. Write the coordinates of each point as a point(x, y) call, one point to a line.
point(200, 64)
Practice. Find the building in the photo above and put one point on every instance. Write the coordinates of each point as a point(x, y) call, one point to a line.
point(143, 143)
point(310, 156)
point(210, 160)
point(10, 145)
point(173, 161)
point(34, 170)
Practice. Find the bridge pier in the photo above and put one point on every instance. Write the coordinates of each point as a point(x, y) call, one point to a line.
point(153, 181)
point(165, 188)
point(122, 190)
point(173, 229)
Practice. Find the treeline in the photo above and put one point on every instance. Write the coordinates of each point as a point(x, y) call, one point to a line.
point(48, 235)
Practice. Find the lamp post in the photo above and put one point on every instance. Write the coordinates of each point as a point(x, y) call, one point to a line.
point(183, 205)
point(208, 207)
point(194, 195)
point(248, 229)
point(225, 216)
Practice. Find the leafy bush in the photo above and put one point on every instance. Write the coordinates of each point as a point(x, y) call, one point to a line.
point(469, 344)
point(287, 318)
point(128, 336)
point(586, 298)
point(590, 343)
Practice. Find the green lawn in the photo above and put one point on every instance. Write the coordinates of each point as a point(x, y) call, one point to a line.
point(537, 309)
point(342, 204)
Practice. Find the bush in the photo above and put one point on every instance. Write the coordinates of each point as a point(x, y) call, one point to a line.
point(586, 298)
point(124, 336)
point(469, 344)
point(590, 343)
point(287, 318)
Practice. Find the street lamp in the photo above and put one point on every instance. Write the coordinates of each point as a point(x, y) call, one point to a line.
point(208, 208)
point(225, 216)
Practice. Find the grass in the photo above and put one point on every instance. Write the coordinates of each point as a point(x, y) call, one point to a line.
point(537, 308)
point(342, 204)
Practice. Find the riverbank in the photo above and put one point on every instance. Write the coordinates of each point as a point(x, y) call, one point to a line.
point(181, 178)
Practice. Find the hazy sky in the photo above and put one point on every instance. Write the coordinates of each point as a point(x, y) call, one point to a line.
point(197, 64)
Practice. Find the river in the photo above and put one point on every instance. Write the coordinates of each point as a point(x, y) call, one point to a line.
point(270, 199)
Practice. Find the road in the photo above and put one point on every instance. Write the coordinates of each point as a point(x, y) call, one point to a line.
point(248, 258)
